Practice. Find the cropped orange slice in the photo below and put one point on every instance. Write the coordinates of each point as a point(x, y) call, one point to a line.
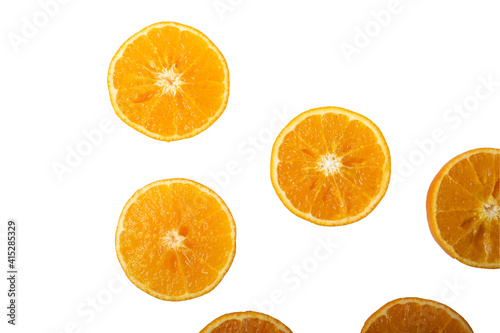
point(330, 166)
point(175, 239)
point(463, 208)
point(241, 322)
point(415, 315)
point(168, 81)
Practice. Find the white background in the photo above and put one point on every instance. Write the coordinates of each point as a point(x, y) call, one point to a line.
point(284, 57)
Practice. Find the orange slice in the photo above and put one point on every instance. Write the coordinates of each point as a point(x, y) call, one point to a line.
point(240, 322)
point(175, 239)
point(415, 315)
point(168, 81)
point(330, 166)
point(463, 208)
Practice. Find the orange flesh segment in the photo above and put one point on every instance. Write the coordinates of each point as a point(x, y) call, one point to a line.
point(241, 322)
point(167, 213)
point(466, 209)
point(413, 315)
point(357, 158)
point(246, 325)
point(170, 82)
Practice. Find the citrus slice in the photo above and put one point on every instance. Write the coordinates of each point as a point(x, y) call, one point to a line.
point(415, 315)
point(463, 208)
point(330, 166)
point(168, 81)
point(239, 322)
point(175, 239)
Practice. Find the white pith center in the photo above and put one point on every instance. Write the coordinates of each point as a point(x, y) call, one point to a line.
point(329, 164)
point(169, 80)
point(491, 209)
point(173, 240)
